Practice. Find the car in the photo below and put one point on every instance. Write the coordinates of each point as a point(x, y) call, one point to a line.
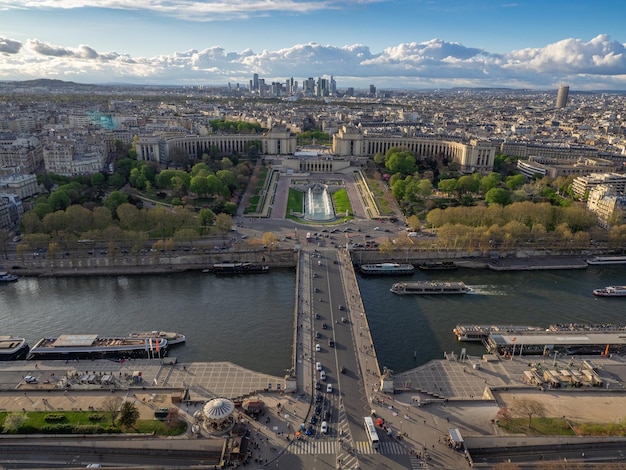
point(344, 320)
point(335, 261)
point(342, 308)
point(29, 379)
point(326, 415)
point(318, 409)
point(324, 325)
point(319, 263)
point(318, 386)
point(329, 388)
point(318, 366)
point(317, 316)
point(331, 342)
point(319, 397)
point(322, 375)
point(318, 334)
point(317, 289)
point(318, 348)
point(342, 370)
point(313, 419)
point(309, 431)
point(377, 228)
point(324, 427)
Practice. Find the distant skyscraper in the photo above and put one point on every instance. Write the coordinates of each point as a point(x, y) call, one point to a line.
point(372, 90)
point(561, 97)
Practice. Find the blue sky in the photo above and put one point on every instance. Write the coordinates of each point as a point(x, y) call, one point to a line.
point(390, 43)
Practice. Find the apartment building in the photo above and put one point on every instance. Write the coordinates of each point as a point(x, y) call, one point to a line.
point(583, 185)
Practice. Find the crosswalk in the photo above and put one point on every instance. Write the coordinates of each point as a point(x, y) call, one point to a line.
point(312, 446)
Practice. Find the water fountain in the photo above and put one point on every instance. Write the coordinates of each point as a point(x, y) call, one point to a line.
point(318, 204)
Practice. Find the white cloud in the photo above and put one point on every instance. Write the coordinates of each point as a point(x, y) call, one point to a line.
point(9, 46)
point(192, 10)
point(598, 63)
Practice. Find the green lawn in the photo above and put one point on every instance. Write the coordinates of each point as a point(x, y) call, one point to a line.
point(538, 427)
point(295, 201)
point(89, 422)
point(342, 202)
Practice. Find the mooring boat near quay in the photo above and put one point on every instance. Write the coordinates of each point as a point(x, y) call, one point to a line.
point(171, 337)
point(599, 260)
point(89, 346)
point(7, 277)
point(481, 332)
point(610, 291)
point(438, 266)
point(387, 268)
point(429, 288)
point(12, 348)
point(239, 268)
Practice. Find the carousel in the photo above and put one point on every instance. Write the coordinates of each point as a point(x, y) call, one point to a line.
point(218, 416)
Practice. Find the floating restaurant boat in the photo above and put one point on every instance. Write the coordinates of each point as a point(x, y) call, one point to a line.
point(429, 288)
point(610, 291)
point(171, 337)
point(12, 348)
point(8, 277)
point(438, 266)
point(89, 346)
point(482, 332)
point(239, 268)
point(387, 268)
point(599, 260)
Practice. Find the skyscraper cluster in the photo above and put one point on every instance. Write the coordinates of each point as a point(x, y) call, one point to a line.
point(310, 87)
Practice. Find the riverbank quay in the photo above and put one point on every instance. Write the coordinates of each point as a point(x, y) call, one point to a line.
point(469, 395)
point(150, 263)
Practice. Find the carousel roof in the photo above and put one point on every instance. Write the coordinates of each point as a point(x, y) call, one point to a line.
point(218, 408)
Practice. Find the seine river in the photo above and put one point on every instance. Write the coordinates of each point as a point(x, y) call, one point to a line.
point(248, 319)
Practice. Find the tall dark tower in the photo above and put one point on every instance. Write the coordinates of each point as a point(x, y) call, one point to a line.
point(561, 97)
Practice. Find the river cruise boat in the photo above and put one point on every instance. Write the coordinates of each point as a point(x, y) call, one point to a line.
point(7, 277)
point(610, 291)
point(600, 260)
point(239, 268)
point(91, 346)
point(438, 266)
point(481, 332)
point(171, 337)
point(12, 348)
point(387, 269)
point(429, 288)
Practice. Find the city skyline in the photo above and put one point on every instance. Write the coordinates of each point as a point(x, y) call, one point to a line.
point(398, 44)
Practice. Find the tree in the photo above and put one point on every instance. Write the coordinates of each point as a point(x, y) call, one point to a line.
point(206, 217)
point(112, 406)
point(129, 414)
point(498, 196)
point(114, 200)
point(401, 162)
point(269, 240)
point(529, 407)
point(14, 421)
point(224, 223)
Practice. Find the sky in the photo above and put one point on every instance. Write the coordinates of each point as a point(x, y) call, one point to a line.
point(393, 44)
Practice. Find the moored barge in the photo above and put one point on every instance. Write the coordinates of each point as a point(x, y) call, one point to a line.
point(387, 269)
point(90, 346)
point(12, 348)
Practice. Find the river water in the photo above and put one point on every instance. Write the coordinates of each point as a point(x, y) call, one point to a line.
point(249, 319)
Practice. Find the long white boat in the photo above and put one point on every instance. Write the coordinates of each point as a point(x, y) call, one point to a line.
point(610, 291)
point(12, 348)
point(429, 288)
point(91, 346)
point(387, 268)
point(599, 260)
point(171, 337)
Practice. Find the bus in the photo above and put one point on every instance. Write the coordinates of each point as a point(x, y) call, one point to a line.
point(370, 429)
point(308, 237)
